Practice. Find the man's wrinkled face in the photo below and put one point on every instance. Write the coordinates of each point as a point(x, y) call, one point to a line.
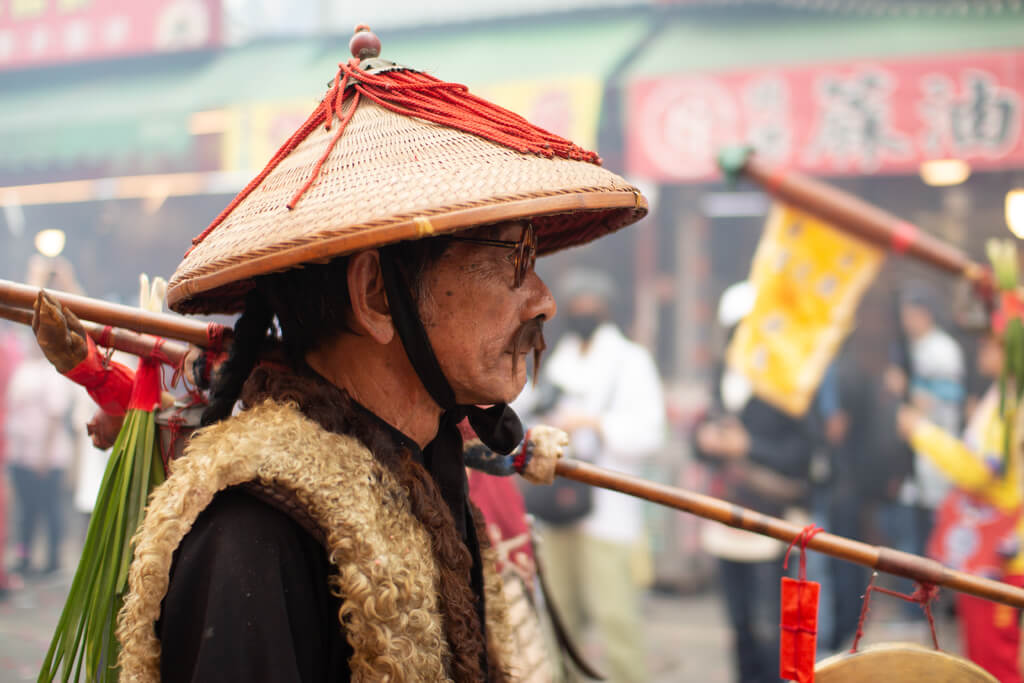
point(476, 319)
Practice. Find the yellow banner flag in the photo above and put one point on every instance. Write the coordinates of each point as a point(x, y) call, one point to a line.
point(809, 278)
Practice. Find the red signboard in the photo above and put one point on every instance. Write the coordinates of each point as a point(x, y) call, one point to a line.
point(41, 32)
point(841, 119)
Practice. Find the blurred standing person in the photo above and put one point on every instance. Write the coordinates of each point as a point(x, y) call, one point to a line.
point(40, 443)
point(607, 396)
point(832, 422)
point(935, 386)
point(10, 355)
point(761, 459)
point(853, 440)
point(979, 528)
point(40, 449)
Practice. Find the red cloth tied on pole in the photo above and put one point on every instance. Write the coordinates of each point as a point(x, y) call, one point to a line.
point(108, 383)
point(799, 626)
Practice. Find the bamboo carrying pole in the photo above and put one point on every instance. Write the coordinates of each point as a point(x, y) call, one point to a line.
point(856, 216)
point(883, 559)
point(105, 313)
point(135, 343)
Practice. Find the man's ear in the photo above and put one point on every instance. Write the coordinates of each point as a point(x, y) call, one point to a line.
point(370, 311)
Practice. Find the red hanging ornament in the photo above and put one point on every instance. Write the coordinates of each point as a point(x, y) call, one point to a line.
point(799, 624)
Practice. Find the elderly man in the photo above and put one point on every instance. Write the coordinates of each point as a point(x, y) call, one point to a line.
point(323, 531)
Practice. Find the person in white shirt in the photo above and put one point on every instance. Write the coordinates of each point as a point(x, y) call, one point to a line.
point(40, 448)
point(935, 387)
point(607, 395)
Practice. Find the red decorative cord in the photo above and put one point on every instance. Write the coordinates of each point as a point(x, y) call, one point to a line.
point(804, 537)
point(215, 337)
point(922, 595)
point(180, 374)
point(105, 335)
point(174, 424)
point(194, 394)
point(416, 94)
point(157, 354)
point(214, 348)
point(336, 109)
point(519, 463)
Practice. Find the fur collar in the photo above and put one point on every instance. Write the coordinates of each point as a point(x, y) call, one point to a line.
point(360, 507)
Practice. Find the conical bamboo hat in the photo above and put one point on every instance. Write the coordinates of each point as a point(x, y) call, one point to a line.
point(392, 177)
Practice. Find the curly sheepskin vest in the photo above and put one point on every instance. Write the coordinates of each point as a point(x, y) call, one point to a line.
point(359, 506)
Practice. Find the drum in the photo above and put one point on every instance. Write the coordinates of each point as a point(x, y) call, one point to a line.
point(899, 662)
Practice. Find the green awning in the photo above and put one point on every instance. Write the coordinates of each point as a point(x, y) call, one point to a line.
point(520, 51)
point(140, 116)
point(719, 42)
point(134, 115)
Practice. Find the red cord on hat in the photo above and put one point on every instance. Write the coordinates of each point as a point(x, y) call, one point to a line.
point(416, 94)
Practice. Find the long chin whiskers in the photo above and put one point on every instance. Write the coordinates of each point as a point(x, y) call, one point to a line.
point(530, 335)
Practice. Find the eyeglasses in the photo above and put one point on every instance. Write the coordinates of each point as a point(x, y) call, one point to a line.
point(523, 256)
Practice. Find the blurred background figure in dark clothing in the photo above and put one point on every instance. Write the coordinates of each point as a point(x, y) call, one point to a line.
point(843, 492)
point(761, 459)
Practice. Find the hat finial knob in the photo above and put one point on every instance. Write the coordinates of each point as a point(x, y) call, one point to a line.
point(364, 44)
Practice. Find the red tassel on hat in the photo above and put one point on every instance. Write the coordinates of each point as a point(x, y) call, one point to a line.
point(799, 637)
point(410, 93)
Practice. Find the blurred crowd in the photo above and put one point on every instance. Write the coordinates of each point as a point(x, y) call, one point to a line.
point(52, 469)
point(907, 457)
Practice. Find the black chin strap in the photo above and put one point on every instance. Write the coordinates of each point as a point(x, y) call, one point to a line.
point(498, 427)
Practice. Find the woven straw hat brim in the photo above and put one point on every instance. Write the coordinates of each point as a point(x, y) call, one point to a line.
point(391, 178)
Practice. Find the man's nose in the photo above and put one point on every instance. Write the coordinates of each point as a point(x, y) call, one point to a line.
point(540, 302)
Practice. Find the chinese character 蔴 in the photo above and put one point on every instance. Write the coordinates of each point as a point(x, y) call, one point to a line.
point(853, 122)
point(766, 109)
point(984, 118)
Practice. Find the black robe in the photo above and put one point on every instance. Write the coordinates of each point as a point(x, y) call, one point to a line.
point(249, 598)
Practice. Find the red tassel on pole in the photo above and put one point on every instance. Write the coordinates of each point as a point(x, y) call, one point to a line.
point(799, 625)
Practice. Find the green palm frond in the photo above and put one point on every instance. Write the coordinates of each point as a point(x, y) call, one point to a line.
point(84, 646)
point(1002, 254)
